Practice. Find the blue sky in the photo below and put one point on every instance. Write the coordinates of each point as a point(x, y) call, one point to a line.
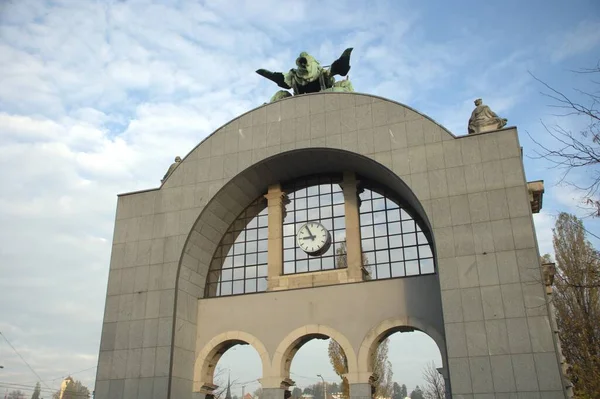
point(97, 97)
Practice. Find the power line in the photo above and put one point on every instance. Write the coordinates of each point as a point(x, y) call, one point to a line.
point(24, 361)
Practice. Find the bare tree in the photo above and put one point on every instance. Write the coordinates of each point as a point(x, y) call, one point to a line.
point(569, 150)
point(338, 360)
point(576, 298)
point(434, 383)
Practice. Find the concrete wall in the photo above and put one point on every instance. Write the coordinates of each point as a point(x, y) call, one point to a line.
point(471, 190)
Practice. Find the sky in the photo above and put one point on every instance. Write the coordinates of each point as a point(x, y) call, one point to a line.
point(98, 97)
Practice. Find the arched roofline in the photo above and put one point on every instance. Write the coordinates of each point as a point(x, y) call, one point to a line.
point(313, 94)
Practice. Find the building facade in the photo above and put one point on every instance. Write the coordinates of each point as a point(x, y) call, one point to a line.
point(330, 215)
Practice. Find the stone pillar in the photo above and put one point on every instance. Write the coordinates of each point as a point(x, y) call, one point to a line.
point(353, 247)
point(360, 391)
point(273, 393)
point(276, 204)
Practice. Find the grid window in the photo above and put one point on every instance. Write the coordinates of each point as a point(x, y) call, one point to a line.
point(393, 243)
point(239, 265)
point(319, 199)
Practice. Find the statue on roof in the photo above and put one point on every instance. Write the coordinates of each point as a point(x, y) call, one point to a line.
point(310, 76)
point(173, 166)
point(483, 119)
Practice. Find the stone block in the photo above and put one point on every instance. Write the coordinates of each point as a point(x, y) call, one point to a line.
point(508, 270)
point(460, 376)
point(114, 281)
point(134, 360)
point(400, 162)
point(456, 340)
point(444, 242)
point(125, 307)
point(150, 335)
point(116, 389)
point(518, 201)
point(463, 240)
point(153, 304)
point(364, 116)
point(540, 333)
point(452, 153)
point(474, 178)
point(111, 309)
point(136, 334)
point(497, 337)
point(348, 120)
point(104, 365)
point(448, 274)
point(419, 183)
point(481, 374)
point(470, 150)
point(529, 265)
point(502, 373)
point(492, 175)
point(498, 204)
point(163, 354)
point(438, 187)
point(535, 299)
point(472, 306)
point(441, 216)
point(518, 335)
point(317, 126)
point(131, 388)
point(512, 296)
point(487, 269)
point(459, 209)
point(503, 235)
point(451, 304)
point(455, 178)
point(109, 334)
point(488, 145)
point(119, 364)
point(160, 388)
point(398, 138)
point(525, 372)
point(417, 157)
point(476, 338)
point(165, 331)
point(414, 132)
point(523, 232)
point(467, 271)
point(381, 139)
point(365, 141)
point(435, 156)
point(548, 375)
point(148, 362)
point(478, 207)
point(512, 171)
point(101, 390)
point(492, 302)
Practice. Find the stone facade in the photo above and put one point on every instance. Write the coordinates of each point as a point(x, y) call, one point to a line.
point(488, 312)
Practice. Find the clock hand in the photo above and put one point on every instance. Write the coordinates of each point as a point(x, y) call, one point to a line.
point(311, 234)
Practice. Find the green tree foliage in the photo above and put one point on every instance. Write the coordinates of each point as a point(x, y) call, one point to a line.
point(296, 392)
point(417, 393)
point(403, 391)
point(36, 392)
point(576, 299)
point(397, 391)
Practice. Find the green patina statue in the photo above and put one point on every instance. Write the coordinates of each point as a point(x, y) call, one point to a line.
point(310, 76)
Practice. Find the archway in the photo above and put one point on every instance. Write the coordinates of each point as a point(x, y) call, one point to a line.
point(390, 345)
point(205, 367)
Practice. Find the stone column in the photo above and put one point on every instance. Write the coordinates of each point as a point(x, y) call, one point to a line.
point(360, 391)
point(276, 205)
point(353, 247)
point(273, 393)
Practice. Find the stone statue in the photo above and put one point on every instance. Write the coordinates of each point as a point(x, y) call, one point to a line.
point(171, 168)
point(310, 76)
point(483, 119)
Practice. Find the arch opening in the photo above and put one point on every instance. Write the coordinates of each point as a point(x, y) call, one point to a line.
point(218, 367)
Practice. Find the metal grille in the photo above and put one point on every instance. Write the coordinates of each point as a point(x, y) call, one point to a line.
point(318, 199)
point(239, 265)
point(393, 244)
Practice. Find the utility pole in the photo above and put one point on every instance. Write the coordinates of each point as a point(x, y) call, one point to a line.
point(243, 391)
point(324, 386)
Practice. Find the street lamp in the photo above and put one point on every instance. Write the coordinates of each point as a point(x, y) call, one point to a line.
point(324, 386)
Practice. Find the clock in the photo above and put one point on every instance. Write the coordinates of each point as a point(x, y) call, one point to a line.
point(313, 238)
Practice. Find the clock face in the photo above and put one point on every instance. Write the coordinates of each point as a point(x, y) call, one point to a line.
point(313, 238)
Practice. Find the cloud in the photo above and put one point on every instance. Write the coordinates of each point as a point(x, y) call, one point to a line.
point(585, 37)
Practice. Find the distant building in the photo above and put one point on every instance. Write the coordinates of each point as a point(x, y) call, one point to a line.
point(248, 396)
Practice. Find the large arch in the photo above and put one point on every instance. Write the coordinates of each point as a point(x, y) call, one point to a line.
point(390, 326)
point(209, 355)
point(282, 360)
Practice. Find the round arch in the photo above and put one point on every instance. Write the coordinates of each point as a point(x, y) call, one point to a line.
point(208, 357)
point(282, 360)
point(389, 327)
